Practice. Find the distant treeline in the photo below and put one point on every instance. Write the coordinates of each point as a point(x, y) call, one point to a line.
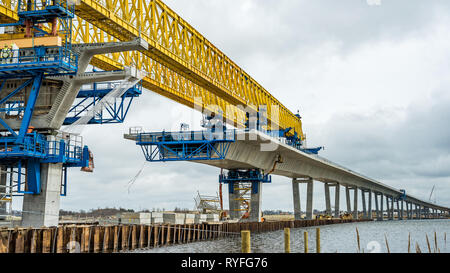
point(105, 212)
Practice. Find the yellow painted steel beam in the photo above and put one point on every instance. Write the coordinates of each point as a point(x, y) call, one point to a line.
point(182, 64)
point(178, 46)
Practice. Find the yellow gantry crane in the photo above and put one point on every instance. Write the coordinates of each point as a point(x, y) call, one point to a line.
point(182, 65)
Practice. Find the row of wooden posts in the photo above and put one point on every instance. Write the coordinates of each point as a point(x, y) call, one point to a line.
point(246, 244)
point(106, 239)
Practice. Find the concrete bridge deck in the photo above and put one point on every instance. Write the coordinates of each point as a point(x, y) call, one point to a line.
point(255, 150)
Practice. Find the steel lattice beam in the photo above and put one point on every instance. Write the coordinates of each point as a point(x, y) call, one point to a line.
point(182, 64)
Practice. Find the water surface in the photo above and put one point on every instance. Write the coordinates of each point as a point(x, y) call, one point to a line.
point(339, 238)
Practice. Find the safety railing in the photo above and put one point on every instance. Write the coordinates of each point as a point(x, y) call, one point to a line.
point(186, 136)
point(57, 59)
point(33, 145)
point(45, 5)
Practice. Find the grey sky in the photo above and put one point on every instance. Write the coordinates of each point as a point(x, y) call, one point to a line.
point(370, 82)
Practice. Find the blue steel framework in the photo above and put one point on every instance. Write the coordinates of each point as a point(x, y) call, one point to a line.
point(112, 113)
point(23, 152)
point(185, 145)
point(253, 176)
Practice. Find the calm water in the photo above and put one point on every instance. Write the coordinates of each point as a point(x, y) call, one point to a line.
point(334, 238)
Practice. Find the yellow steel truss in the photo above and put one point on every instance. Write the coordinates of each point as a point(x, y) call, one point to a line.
point(182, 64)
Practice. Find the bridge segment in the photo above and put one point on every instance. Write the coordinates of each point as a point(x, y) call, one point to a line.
point(255, 150)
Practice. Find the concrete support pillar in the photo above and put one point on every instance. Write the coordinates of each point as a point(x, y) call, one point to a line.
point(309, 199)
point(327, 199)
point(355, 203)
point(417, 212)
point(43, 209)
point(255, 203)
point(296, 197)
point(411, 210)
point(377, 207)
point(392, 208)
point(3, 176)
point(381, 207)
point(234, 207)
point(369, 216)
point(407, 210)
point(402, 210)
point(363, 199)
point(388, 209)
point(337, 194)
point(347, 195)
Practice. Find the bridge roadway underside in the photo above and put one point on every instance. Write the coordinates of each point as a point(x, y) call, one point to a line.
point(255, 150)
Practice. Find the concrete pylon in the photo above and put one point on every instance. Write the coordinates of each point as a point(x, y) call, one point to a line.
point(42, 210)
point(381, 217)
point(296, 198)
point(392, 208)
point(369, 215)
point(309, 199)
point(327, 199)
point(233, 195)
point(355, 203)
point(347, 195)
point(3, 177)
point(337, 194)
point(255, 203)
point(388, 209)
point(363, 201)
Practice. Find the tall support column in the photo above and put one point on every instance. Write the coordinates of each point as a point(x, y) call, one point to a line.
point(347, 195)
point(3, 176)
point(388, 209)
point(234, 207)
point(417, 212)
point(309, 199)
point(392, 208)
point(363, 199)
point(355, 203)
point(337, 201)
point(327, 199)
point(398, 209)
point(255, 213)
point(401, 209)
point(408, 216)
point(43, 209)
point(377, 207)
point(296, 197)
point(369, 216)
point(381, 207)
point(411, 210)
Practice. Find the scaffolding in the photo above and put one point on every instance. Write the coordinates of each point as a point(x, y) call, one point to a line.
point(207, 204)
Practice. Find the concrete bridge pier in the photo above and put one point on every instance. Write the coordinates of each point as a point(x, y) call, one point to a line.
point(388, 209)
point(347, 197)
point(355, 203)
point(369, 215)
point(392, 208)
point(411, 211)
point(379, 206)
point(309, 199)
point(3, 177)
point(43, 209)
point(233, 196)
point(296, 197)
point(401, 210)
point(255, 213)
point(337, 194)
point(327, 199)
point(363, 200)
